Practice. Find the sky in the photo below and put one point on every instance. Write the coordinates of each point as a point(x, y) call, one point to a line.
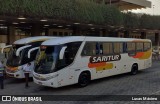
point(154, 10)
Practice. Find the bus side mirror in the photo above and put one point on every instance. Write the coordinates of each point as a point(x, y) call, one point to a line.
point(32, 49)
point(21, 48)
point(8, 46)
point(61, 55)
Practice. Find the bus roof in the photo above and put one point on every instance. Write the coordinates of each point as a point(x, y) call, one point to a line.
point(64, 40)
point(68, 39)
point(33, 39)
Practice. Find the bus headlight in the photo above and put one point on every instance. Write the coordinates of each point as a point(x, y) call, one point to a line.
point(40, 77)
point(12, 69)
point(50, 77)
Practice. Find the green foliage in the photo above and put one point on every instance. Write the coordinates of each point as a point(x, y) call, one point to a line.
point(150, 22)
point(113, 16)
point(86, 11)
point(143, 21)
point(131, 20)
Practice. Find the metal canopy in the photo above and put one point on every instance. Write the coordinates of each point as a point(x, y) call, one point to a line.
point(134, 4)
point(127, 4)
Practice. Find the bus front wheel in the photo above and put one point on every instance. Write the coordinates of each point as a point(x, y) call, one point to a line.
point(84, 79)
point(134, 69)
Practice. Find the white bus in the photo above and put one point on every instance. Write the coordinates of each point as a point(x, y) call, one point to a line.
point(18, 54)
point(71, 60)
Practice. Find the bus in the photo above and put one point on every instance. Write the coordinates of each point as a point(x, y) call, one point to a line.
point(80, 59)
point(18, 55)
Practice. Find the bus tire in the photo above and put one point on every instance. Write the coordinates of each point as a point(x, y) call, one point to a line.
point(134, 69)
point(84, 79)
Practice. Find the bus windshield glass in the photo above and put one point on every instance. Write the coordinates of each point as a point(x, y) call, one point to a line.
point(14, 60)
point(48, 60)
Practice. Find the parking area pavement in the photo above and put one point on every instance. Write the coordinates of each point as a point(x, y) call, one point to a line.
point(146, 82)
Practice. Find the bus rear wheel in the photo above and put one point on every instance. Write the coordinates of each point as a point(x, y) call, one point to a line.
point(134, 69)
point(84, 79)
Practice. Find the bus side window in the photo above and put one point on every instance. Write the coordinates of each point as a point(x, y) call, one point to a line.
point(90, 48)
point(118, 48)
point(147, 46)
point(131, 48)
point(107, 48)
point(69, 54)
point(139, 47)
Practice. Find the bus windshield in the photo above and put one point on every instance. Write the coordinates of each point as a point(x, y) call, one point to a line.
point(12, 59)
point(15, 61)
point(48, 60)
